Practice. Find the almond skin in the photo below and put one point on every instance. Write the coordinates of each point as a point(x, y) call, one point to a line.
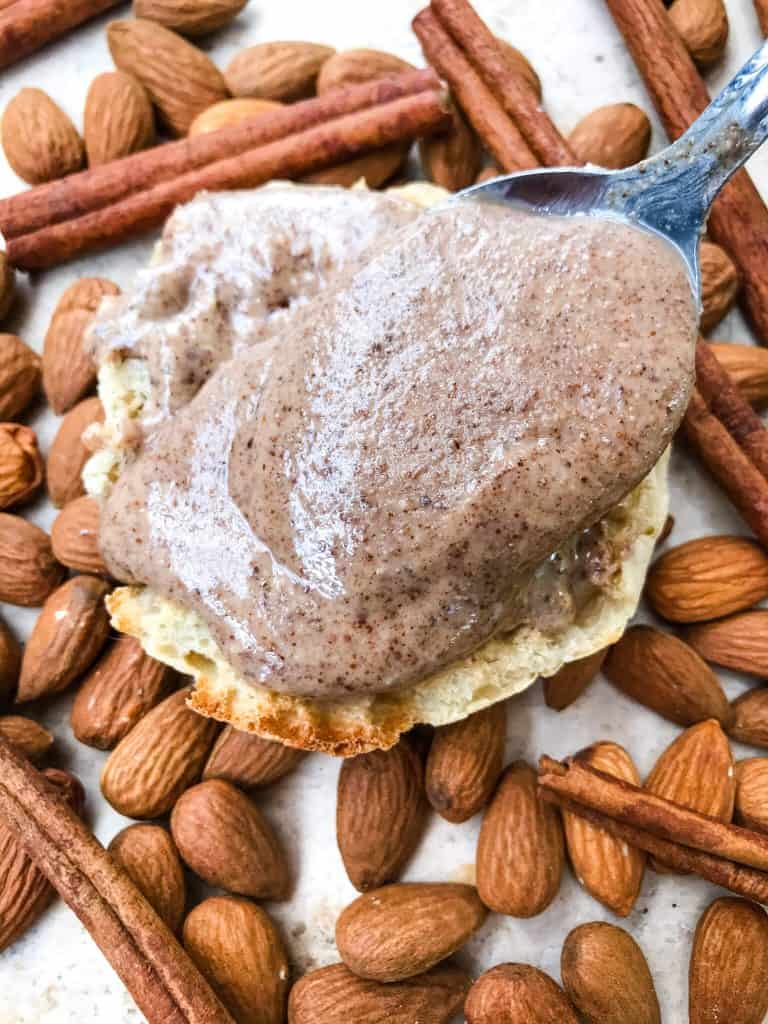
point(39, 140)
point(614, 136)
point(751, 809)
point(20, 376)
point(696, 771)
point(606, 976)
point(239, 951)
point(29, 738)
point(229, 112)
point(148, 855)
point(29, 573)
point(665, 674)
point(380, 814)
point(284, 71)
point(517, 994)
point(453, 158)
point(118, 118)
point(334, 995)
point(465, 762)
point(75, 537)
point(250, 761)
point(223, 838)
point(67, 637)
point(158, 759)
point(374, 169)
point(739, 642)
point(750, 721)
point(21, 464)
point(719, 281)
point(567, 685)
point(748, 365)
point(189, 17)
point(10, 663)
point(402, 930)
point(7, 287)
point(350, 67)
point(728, 974)
point(703, 27)
point(521, 850)
point(69, 453)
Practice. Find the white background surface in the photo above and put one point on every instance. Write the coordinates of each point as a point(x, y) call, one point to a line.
point(55, 974)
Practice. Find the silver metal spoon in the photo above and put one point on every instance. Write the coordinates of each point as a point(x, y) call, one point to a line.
point(669, 193)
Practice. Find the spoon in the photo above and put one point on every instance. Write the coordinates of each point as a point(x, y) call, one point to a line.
point(669, 193)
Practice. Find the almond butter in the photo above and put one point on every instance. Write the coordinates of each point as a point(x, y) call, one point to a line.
point(517, 994)
point(751, 808)
point(283, 71)
point(189, 17)
point(375, 168)
point(10, 663)
point(69, 372)
point(521, 851)
point(20, 376)
point(465, 762)
point(750, 718)
point(350, 67)
point(29, 738)
point(708, 578)
point(69, 452)
point(28, 570)
point(250, 761)
point(238, 949)
point(75, 537)
point(180, 79)
point(159, 758)
point(739, 642)
point(719, 282)
point(747, 365)
point(149, 857)
point(608, 869)
point(703, 27)
point(223, 837)
point(118, 118)
point(452, 159)
point(39, 140)
point(615, 136)
point(21, 464)
point(402, 930)
point(7, 288)
point(520, 63)
point(229, 112)
point(567, 685)
point(606, 976)
point(728, 974)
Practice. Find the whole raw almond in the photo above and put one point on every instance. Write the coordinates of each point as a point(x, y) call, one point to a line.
point(69, 372)
point(696, 771)
point(748, 366)
point(517, 994)
point(750, 718)
point(250, 761)
point(521, 851)
point(180, 79)
point(703, 27)
point(119, 690)
point(75, 536)
point(350, 67)
point(283, 71)
point(719, 282)
point(148, 855)
point(373, 168)
point(67, 637)
point(380, 813)
point(118, 117)
point(69, 452)
point(615, 136)
point(7, 287)
point(39, 140)
point(334, 995)
point(229, 112)
point(453, 158)
point(28, 570)
point(27, 736)
point(21, 464)
point(238, 949)
point(608, 869)
point(567, 685)
point(606, 976)
point(708, 578)
point(751, 807)
point(728, 974)
point(402, 930)
point(223, 837)
point(10, 663)
point(520, 63)
point(159, 758)
point(739, 642)
point(20, 376)
point(465, 762)
point(189, 17)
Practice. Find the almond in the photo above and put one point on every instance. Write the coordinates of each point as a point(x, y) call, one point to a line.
point(159, 758)
point(283, 71)
point(7, 288)
point(350, 67)
point(665, 674)
point(69, 372)
point(517, 994)
point(374, 168)
point(334, 995)
point(380, 813)
point(520, 63)
point(465, 762)
point(453, 158)
point(750, 721)
point(20, 376)
point(239, 951)
point(739, 642)
point(520, 852)
point(39, 140)
point(703, 27)
point(189, 17)
point(708, 578)
point(29, 738)
point(666, 530)
point(180, 79)
point(608, 869)
point(10, 663)
point(719, 281)
point(28, 570)
point(21, 464)
point(118, 118)
point(567, 685)
point(606, 976)
point(75, 537)
point(67, 637)
point(149, 857)
point(751, 809)
point(614, 136)
point(229, 112)
point(223, 837)
point(123, 686)
point(250, 761)
point(402, 930)
point(748, 366)
point(487, 174)
point(728, 974)
point(69, 452)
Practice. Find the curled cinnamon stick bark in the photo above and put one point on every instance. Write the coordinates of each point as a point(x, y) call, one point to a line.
point(26, 25)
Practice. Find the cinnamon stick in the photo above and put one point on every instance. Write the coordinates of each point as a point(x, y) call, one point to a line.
point(739, 218)
point(761, 10)
point(296, 155)
point(165, 984)
point(96, 188)
point(498, 131)
point(26, 25)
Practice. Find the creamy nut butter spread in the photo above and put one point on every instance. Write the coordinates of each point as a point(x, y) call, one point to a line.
point(378, 486)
